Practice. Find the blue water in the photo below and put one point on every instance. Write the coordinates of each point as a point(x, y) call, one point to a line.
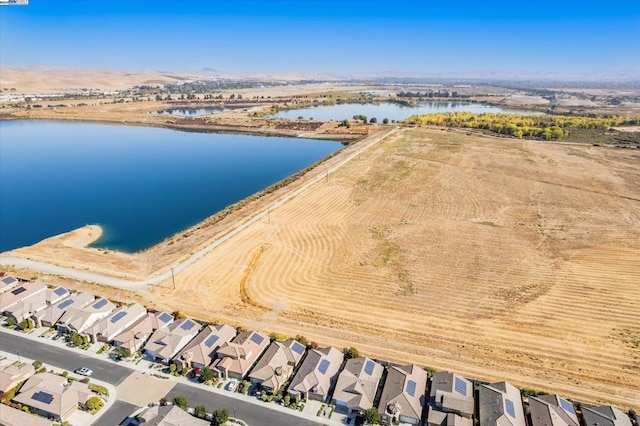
point(140, 184)
point(391, 111)
point(189, 112)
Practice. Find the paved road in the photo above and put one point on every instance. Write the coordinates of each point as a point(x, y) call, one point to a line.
point(117, 414)
point(254, 415)
point(48, 268)
point(62, 358)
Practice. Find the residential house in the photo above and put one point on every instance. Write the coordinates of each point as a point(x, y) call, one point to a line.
point(52, 396)
point(451, 396)
point(171, 415)
point(605, 415)
point(403, 396)
point(235, 358)
point(10, 298)
point(10, 416)
point(500, 403)
point(14, 373)
point(7, 283)
point(118, 321)
point(36, 302)
point(552, 410)
point(166, 342)
point(317, 374)
point(201, 351)
point(79, 319)
point(50, 316)
point(136, 336)
point(357, 384)
point(276, 365)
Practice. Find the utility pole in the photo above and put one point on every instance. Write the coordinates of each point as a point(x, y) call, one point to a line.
point(173, 278)
point(269, 215)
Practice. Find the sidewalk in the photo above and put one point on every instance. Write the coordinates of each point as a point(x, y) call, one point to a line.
point(146, 367)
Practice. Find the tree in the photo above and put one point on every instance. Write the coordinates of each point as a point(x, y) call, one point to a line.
point(11, 322)
point(373, 120)
point(200, 411)
point(371, 416)
point(287, 399)
point(172, 368)
point(385, 121)
point(351, 352)
point(301, 339)
point(120, 352)
point(181, 402)
point(219, 416)
point(37, 364)
point(95, 403)
point(206, 375)
point(24, 325)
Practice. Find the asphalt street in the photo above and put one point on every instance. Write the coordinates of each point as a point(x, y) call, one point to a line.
point(253, 415)
point(60, 357)
point(118, 412)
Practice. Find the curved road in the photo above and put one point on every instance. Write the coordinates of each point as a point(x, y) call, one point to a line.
point(48, 268)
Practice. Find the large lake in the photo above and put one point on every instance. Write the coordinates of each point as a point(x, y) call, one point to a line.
point(389, 110)
point(140, 184)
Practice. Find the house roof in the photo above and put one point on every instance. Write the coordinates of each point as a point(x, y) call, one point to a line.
point(54, 295)
point(239, 355)
point(79, 318)
point(167, 341)
point(171, 415)
point(605, 415)
point(10, 416)
point(133, 337)
point(501, 403)
point(53, 313)
point(358, 383)
point(403, 392)
point(436, 417)
point(552, 410)
point(13, 296)
point(452, 393)
point(203, 347)
point(8, 282)
point(277, 363)
point(121, 318)
point(12, 372)
point(317, 370)
point(52, 393)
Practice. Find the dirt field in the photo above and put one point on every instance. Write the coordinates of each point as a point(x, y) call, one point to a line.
point(496, 258)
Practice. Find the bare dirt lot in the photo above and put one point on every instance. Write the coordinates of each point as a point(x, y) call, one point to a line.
point(499, 259)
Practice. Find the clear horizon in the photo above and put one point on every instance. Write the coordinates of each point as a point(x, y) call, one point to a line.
point(565, 38)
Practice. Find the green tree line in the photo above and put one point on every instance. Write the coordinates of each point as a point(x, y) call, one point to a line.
point(545, 127)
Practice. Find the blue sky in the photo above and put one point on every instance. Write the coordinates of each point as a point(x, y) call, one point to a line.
point(419, 37)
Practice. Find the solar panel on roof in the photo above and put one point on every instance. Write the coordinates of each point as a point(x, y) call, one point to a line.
point(19, 290)
point(60, 291)
point(43, 397)
point(297, 348)
point(324, 364)
point(66, 303)
point(187, 325)
point(117, 317)
point(411, 388)
point(100, 303)
point(9, 280)
point(566, 406)
point(461, 386)
point(165, 317)
point(256, 338)
point(511, 409)
point(211, 340)
point(368, 367)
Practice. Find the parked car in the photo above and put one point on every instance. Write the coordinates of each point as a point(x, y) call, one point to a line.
point(84, 371)
point(194, 373)
point(232, 385)
point(58, 336)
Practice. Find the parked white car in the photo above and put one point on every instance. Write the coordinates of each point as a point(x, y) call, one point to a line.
point(232, 385)
point(84, 371)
